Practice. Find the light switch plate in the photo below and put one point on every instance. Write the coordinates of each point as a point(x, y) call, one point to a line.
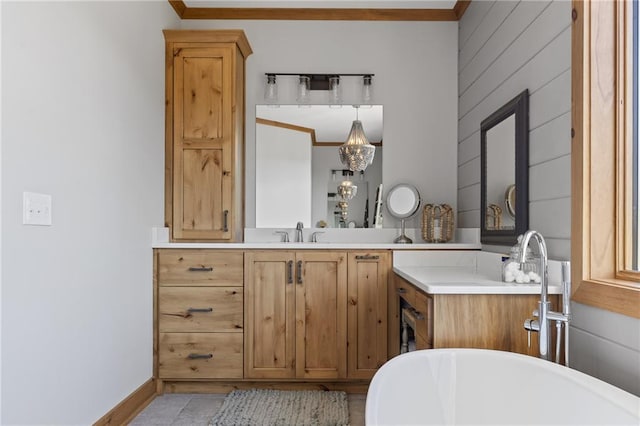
point(36, 209)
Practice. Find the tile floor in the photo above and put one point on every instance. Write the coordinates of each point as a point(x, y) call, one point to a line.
point(197, 409)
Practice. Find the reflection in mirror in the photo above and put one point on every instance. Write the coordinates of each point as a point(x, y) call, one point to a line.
point(501, 172)
point(298, 169)
point(504, 208)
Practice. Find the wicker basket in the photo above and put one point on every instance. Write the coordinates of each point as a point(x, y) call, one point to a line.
point(437, 223)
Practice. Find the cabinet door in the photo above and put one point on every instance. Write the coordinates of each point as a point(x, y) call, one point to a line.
point(202, 143)
point(367, 313)
point(269, 315)
point(321, 315)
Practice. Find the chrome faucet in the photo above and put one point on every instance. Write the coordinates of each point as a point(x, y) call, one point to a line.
point(285, 236)
point(544, 312)
point(299, 238)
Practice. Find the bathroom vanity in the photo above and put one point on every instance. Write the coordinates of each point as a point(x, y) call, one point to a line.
point(283, 315)
point(457, 300)
point(322, 315)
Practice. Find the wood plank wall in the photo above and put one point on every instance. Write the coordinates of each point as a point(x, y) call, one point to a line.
point(504, 48)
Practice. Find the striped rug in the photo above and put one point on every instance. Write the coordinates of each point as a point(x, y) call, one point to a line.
point(265, 407)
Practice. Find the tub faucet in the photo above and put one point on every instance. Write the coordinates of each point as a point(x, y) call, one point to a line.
point(299, 227)
point(544, 312)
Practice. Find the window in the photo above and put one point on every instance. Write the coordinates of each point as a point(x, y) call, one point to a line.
point(635, 50)
point(604, 246)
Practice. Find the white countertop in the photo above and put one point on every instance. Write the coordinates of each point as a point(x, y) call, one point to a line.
point(438, 280)
point(319, 246)
point(329, 239)
point(470, 272)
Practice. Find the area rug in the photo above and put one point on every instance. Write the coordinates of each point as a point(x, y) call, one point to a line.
point(265, 407)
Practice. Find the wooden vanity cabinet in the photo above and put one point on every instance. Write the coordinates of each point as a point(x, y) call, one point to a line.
point(368, 273)
point(296, 314)
point(315, 314)
point(199, 314)
point(204, 154)
point(485, 321)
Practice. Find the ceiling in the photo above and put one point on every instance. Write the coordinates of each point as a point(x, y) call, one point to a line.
point(331, 10)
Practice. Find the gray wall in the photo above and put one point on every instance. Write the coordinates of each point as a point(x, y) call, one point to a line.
point(504, 48)
point(83, 120)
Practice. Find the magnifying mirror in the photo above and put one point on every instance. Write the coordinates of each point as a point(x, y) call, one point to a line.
point(403, 201)
point(510, 200)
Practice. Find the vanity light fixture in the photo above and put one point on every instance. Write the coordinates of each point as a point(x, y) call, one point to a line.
point(367, 90)
point(308, 82)
point(271, 90)
point(304, 85)
point(357, 153)
point(335, 90)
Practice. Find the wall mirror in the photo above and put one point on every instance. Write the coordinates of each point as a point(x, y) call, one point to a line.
point(504, 136)
point(298, 170)
point(403, 201)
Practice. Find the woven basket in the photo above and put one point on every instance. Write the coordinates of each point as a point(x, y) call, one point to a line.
point(437, 223)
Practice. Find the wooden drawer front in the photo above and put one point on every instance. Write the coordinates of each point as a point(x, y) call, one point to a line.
point(200, 355)
point(200, 309)
point(200, 267)
point(405, 290)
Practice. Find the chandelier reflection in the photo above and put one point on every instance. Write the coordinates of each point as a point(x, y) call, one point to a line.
point(347, 190)
point(357, 153)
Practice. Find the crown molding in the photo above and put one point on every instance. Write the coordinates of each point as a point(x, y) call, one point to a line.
point(293, 14)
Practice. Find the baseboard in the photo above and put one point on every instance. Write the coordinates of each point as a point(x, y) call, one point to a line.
point(129, 407)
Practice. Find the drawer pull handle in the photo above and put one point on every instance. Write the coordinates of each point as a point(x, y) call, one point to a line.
point(367, 257)
point(200, 356)
point(401, 290)
point(225, 226)
point(192, 310)
point(290, 272)
point(299, 272)
point(201, 269)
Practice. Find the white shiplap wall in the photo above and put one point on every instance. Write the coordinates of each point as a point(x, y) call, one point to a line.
point(504, 48)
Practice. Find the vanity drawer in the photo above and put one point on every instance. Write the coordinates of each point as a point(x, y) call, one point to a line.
point(200, 309)
point(200, 267)
point(200, 355)
point(405, 290)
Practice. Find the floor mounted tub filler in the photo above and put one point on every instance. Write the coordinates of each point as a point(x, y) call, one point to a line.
point(477, 386)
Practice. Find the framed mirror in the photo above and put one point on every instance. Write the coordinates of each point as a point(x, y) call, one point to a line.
point(298, 169)
point(504, 201)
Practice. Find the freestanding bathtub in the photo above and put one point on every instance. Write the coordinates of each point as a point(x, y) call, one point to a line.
point(476, 386)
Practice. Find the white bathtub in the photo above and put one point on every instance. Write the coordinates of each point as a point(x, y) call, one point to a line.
point(475, 386)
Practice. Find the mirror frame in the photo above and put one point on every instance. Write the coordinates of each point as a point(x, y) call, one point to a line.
point(520, 107)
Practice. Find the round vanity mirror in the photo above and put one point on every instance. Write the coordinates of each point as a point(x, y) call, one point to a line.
point(403, 201)
point(510, 200)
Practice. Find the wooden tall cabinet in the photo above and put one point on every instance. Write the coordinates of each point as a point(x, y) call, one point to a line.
point(367, 312)
point(204, 154)
point(296, 314)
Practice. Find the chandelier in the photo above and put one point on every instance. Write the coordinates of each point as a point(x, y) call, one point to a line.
point(357, 153)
